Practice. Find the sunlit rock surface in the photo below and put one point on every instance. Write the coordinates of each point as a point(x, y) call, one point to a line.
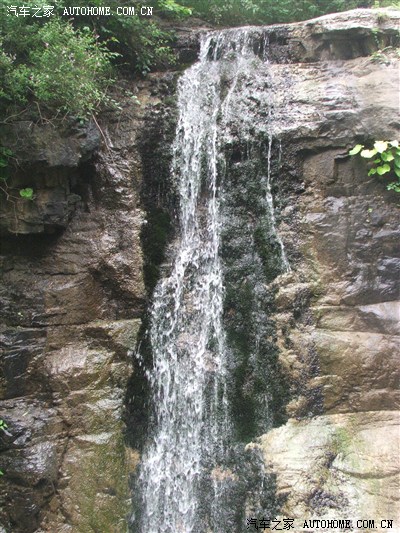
point(337, 466)
point(338, 311)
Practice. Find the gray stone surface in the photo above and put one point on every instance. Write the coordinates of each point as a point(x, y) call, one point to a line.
point(337, 312)
point(337, 466)
point(71, 307)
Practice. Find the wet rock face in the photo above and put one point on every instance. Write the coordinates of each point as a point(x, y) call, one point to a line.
point(337, 311)
point(337, 315)
point(51, 162)
point(72, 295)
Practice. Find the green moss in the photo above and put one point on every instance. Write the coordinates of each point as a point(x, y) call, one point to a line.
point(154, 238)
point(341, 440)
point(269, 251)
point(252, 258)
point(101, 488)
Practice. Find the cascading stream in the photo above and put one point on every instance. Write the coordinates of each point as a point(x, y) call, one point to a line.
point(192, 428)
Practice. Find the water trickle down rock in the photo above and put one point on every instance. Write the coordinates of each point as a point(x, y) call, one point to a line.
point(187, 478)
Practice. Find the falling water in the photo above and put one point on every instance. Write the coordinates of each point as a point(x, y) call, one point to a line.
point(271, 210)
point(183, 464)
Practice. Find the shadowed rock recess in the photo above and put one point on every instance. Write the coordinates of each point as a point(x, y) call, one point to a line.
point(79, 264)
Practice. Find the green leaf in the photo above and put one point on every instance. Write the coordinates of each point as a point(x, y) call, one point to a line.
point(397, 161)
point(368, 153)
point(372, 171)
point(393, 186)
point(397, 171)
point(26, 193)
point(389, 156)
point(5, 152)
point(380, 146)
point(383, 169)
point(356, 149)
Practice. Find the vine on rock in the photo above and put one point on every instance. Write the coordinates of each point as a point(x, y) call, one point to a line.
point(384, 159)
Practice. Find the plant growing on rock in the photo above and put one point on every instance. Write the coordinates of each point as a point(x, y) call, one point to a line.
point(3, 427)
point(5, 156)
point(385, 159)
point(26, 193)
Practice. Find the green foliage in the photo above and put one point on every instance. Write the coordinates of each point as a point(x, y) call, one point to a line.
point(3, 427)
point(142, 45)
point(172, 8)
point(62, 68)
point(385, 156)
point(64, 64)
point(26, 193)
point(14, 79)
point(71, 70)
point(231, 12)
point(140, 41)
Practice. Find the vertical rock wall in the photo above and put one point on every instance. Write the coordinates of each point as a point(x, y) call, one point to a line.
point(72, 295)
point(337, 312)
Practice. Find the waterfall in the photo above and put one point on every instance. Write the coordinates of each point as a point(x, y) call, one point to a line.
point(184, 472)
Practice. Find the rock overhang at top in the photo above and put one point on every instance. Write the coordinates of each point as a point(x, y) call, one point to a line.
point(343, 35)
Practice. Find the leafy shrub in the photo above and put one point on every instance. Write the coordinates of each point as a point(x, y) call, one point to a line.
point(231, 12)
point(142, 45)
point(140, 41)
point(70, 70)
point(14, 79)
point(63, 68)
point(385, 156)
point(170, 8)
point(65, 65)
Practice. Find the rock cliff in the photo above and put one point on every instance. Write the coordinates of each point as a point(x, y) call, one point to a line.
point(337, 312)
point(72, 296)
